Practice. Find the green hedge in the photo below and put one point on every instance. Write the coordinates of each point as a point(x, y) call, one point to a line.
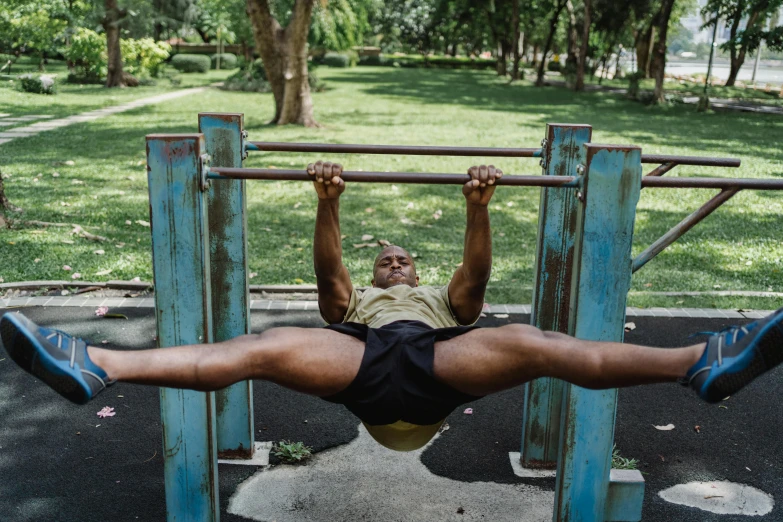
point(188, 63)
point(440, 62)
point(227, 61)
point(336, 60)
point(37, 83)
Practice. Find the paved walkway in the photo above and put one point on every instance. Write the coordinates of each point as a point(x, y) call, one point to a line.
point(9, 130)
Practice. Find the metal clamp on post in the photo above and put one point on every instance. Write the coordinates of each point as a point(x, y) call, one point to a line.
point(578, 182)
point(542, 162)
point(203, 167)
point(243, 144)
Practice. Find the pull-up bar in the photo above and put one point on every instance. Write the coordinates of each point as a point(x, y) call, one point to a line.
point(431, 178)
point(411, 150)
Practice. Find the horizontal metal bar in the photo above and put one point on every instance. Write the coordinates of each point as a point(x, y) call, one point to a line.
point(682, 227)
point(691, 160)
point(391, 177)
point(267, 146)
point(270, 146)
point(510, 180)
point(719, 183)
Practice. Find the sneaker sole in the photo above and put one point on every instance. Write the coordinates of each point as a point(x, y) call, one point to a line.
point(767, 354)
point(25, 350)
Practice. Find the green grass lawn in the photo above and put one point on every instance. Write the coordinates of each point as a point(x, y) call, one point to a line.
point(75, 98)
point(740, 247)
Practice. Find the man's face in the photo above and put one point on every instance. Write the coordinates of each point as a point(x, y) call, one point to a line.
point(394, 266)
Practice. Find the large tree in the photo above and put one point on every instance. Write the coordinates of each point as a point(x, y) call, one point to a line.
point(284, 53)
point(111, 25)
point(742, 40)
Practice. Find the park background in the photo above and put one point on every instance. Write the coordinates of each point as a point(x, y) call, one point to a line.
point(422, 72)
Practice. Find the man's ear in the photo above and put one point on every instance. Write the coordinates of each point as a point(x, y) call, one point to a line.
point(417, 280)
point(373, 283)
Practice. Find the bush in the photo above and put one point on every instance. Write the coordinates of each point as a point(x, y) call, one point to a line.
point(88, 54)
point(37, 84)
point(188, 63)
point(78, 77)
point(250, 79)
point(227, 61)
point(440, 62)
point(144, 57)
point(336, 60)
point(553, 66)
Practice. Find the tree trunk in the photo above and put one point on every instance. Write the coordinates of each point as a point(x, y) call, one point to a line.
point(284, 53)
point(738, 56)
point(516, 50)
point(552, 28)
point(572, 60)
point(4, 203)
point(111, 24)
point(534, 62)
point(659, 51)
point(580, 71)
point(643, 48)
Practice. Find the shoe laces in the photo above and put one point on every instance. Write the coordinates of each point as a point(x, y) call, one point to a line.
point(728, 336)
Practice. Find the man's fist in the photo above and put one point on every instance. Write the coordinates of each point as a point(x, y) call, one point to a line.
point(481, 186)
point(326, 178)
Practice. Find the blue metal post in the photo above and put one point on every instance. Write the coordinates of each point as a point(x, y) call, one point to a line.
point(228, 262)
point(180, 258)
point(562, 151)
point(602, 276)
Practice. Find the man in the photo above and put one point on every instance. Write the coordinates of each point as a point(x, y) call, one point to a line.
point(400, 356)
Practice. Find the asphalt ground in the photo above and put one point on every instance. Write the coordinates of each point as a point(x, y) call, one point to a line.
point(61, 462)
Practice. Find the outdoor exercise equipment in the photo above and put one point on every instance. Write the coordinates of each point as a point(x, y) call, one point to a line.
point(588, 203)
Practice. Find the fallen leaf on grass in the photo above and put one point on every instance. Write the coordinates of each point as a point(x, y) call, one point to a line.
point(99, 252)
point(668, 427)
point(367, 237)
point(630, 326)
point(107, 411)
point(297, 204)
point(410, 205)
point(76, 275)
point(143, 223)
point(37, 260)
point(66, 268)
point(252, 275)
point(364, 245)
point(647, 285)
point(103, 272)
point(369, 210)
point(55, 174)
point(67, 241)
point(383, 242)
point(510, 204)
point(299, 281)
point(70, 163)
point(438, 213)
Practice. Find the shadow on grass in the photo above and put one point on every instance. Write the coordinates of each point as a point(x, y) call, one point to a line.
point(665, 126)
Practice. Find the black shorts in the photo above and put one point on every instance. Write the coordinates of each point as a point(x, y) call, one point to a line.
point(396, 379)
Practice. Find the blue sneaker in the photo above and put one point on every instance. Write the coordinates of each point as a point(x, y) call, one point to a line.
point(58, 359)
point(735, 356)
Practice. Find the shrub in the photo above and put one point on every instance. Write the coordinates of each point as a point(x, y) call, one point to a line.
point(188, 63)
point(553, 66)
point(416, 60)
point(374, 60)
point(88, 54)
point(227, 61)
point(144, 57)
point(37, 84)
point(250, 79)
point(336, 60)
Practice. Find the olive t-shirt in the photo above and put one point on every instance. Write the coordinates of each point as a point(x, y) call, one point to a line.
point(376, 307)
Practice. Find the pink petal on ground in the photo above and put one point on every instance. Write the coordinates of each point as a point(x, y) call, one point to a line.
point(101, 311)
point(107, 411)
point(468, 411)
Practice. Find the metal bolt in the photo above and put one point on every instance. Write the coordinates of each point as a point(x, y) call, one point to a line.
point(542, 162)
point(580, 169)
point(580, 196)
point(244, 134)
point(544, 143)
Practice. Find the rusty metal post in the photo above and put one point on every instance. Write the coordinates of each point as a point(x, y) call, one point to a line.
point(227, 202)
point(602, 276)
point(562, 151)
point(180, 260)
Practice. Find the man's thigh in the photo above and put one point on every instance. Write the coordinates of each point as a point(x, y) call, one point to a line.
point(488, 360)
point(317, 361)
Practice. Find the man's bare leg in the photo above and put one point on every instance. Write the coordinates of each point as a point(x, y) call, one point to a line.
point(489, 360)
point(311, 360)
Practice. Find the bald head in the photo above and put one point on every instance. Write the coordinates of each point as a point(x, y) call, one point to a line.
point(394, 266)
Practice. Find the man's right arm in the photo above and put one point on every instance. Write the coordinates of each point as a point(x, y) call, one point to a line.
point(332, 278)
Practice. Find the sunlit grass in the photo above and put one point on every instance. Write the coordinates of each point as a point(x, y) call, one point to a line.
point(393, 106)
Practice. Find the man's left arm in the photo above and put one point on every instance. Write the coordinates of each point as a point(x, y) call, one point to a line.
point(469, 282)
